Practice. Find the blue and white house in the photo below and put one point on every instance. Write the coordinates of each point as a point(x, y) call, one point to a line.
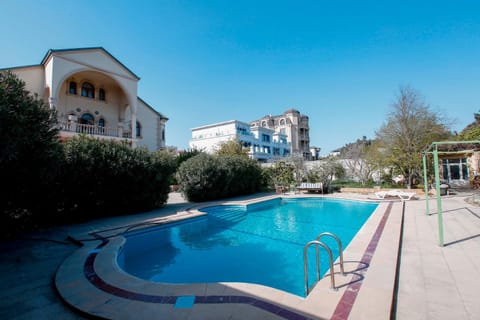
point(264, 144)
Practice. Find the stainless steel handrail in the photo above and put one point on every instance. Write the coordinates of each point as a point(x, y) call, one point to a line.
point(305, 264)
point(340, 248)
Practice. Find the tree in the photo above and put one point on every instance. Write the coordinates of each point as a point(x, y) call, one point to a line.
point(298, 165)
point(30, 152)
point(328, 170)
point(356, 159)
point(282, 174)
point(232, 147)
point(411, 127)
point(470, 132)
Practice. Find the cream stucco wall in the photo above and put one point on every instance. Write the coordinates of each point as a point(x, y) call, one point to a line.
point(151, 127)
point(34, 78)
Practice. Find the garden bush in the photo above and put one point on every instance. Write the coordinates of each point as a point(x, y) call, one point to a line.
point(103, 177)
point(208, 177)
point(29, 155)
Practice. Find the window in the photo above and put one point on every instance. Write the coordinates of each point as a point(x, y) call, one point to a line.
point(242, 131)
point(163, 135)
point(72, 87)
point(282, 122)
point(264, 123)
point(88, 90)
point(86, 118)
point(245, 144)
point(265, 138)
point(101, 94)
point(138, 130)
point(455, 169)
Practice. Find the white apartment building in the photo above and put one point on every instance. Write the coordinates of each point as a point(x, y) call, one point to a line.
point(94, 94)
point(264, 144)
point(294, 125)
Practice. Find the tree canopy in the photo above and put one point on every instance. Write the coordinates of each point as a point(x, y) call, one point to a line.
point(470, 132)
point(411, 126)
point(232, 148)
point(29, 149)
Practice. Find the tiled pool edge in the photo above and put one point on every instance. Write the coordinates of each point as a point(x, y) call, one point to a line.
point(128, 297)
point(344, 307)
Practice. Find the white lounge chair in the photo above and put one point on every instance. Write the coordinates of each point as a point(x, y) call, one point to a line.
point(406, 195)
point(395, 193)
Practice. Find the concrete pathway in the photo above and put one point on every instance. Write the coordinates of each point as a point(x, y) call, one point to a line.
point(28, 265)
point(434, 282)
point(440, 282)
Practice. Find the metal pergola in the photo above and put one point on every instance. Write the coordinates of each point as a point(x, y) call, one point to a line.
point(436, 149)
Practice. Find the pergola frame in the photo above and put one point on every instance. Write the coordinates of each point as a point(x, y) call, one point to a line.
point(434, 150)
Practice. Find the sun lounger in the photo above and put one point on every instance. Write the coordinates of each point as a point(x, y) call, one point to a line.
point(395, 193)
point(311, 187)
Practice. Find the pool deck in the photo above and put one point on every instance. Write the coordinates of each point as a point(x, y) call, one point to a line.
point(433, 282)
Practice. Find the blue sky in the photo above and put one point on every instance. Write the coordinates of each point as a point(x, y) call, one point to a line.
point(339, 62)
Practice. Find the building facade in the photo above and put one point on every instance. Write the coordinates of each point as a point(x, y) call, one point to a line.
point(264, 144)
point(294, 125)
point(94, 94)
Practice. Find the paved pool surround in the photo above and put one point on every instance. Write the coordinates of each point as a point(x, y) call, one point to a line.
point(91, 281)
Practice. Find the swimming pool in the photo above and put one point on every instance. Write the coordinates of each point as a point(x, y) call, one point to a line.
point(260, 243)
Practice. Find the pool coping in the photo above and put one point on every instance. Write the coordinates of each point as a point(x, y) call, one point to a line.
point(91, 281)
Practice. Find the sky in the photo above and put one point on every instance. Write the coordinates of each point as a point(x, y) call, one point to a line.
point(200, 62)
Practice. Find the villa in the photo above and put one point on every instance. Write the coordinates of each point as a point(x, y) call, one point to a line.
point(94, 94)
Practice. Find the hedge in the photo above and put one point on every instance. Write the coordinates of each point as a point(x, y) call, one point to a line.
point(103, 177)
point(208, 177)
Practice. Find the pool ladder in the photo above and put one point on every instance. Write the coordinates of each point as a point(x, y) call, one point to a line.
point(318, 244)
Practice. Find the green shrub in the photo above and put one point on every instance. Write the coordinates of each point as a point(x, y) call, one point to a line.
point(207, 177)
point(29, 156)
point(103, 177)
point(280, 174)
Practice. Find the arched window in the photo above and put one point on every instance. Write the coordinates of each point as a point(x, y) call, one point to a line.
point(282, 122)
point(101, 94)
point(72, 87)
point(138, 129)
point(88, 90)
point(86, 118)
point(264, 123)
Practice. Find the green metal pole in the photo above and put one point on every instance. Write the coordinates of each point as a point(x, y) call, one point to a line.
point(425, 183)
point(439, 200)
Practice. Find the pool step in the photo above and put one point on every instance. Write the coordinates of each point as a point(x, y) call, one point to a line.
point(235, 215)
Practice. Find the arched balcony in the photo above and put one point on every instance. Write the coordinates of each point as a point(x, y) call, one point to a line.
point(92, 103)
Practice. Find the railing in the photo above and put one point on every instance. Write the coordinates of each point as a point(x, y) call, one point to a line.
point(318, 243)
point(93, 130)
point(340, 247)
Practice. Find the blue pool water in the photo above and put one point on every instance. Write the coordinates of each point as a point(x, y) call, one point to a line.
point(262, 243)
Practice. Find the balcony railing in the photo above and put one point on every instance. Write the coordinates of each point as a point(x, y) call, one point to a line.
point(69, 126)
